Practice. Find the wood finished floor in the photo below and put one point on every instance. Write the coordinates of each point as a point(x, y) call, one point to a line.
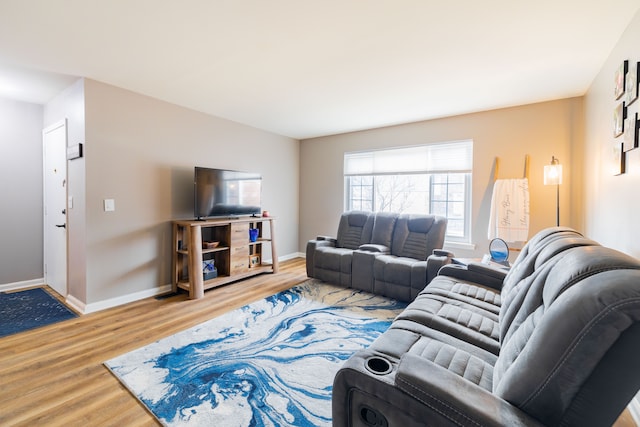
point(54, 376)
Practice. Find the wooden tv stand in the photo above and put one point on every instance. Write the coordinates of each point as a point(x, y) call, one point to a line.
point(235, 257)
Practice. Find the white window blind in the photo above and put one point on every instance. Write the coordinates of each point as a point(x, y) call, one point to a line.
point(447, 157)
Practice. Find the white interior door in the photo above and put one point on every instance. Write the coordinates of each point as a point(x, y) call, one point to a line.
point(55, 206)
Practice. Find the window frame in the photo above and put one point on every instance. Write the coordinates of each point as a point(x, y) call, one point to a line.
point(431, 176)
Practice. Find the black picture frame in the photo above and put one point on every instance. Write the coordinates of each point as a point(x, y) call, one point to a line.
point(618, 159)
point(630, 134)
point(620, 79)
point(619, 114)
point(631, 84)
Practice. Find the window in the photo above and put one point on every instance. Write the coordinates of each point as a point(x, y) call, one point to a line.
point(433, 178)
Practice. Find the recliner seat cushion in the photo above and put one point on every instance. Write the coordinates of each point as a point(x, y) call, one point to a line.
point(458, 319)
point(403, 273)
point(471, 293)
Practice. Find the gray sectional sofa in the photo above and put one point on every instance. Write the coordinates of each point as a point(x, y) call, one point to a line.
point(552, 342)
point(382, 253)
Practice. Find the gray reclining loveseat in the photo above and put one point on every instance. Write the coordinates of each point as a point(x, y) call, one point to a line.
point(553, 342)
point(382, 253)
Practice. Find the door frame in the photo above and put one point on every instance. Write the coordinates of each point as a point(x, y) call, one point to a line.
point(46, 240)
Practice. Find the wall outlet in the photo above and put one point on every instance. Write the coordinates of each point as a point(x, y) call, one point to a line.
point(109, 205)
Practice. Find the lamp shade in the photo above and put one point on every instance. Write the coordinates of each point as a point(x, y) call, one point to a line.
point(553, 173)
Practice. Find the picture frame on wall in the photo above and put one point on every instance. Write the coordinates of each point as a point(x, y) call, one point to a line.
point(630, 138)
point(631, 84)
point(618, 119)
point(620, 79)
point(617, 158)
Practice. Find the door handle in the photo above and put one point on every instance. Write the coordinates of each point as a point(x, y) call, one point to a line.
point(61, 225)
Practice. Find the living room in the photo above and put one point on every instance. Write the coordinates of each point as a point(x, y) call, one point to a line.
point(140, 151)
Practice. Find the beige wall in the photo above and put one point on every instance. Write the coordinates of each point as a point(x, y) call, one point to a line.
point(611, 203)
point(20, 192)
point(141, 152)
point(540, 130)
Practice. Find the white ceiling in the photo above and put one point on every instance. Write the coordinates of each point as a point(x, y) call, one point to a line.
point(306, 68)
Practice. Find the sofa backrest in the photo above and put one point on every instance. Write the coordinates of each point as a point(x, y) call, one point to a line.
point(569, 354)
point(521, 299)
point(354, 229)
point(383, 225)
point(416, 236)
point(525, 263)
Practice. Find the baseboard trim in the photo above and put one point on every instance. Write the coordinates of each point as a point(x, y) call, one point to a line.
point(291, 256)
point(124, 299)
point(84, 308)
point(21, 285)
point(75, 303)
point(634, 409)
point(285, 257)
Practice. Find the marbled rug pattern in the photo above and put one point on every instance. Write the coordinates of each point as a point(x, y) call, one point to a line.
point(269, 363)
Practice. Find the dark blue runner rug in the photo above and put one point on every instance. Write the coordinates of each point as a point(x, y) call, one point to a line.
point(30, 309)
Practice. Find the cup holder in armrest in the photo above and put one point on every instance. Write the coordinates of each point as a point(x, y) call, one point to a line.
point(378, 365)
point(372, 418)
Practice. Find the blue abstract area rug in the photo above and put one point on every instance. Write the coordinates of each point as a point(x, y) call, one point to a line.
point(269, 363)
point(33, 308)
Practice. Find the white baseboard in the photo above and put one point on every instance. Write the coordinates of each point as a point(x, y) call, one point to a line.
point(286, 257)
point(114, 302)
point(292, 256)
point(634, 409)
point(21, 285)
point(75, 303)
point(83, 308)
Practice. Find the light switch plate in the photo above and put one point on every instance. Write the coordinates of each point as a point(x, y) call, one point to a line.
point(109, 205)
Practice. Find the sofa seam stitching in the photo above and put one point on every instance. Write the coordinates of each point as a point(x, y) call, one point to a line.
point(400, 379)
point(571, 350)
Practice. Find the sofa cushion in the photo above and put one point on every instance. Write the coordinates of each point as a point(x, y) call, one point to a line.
point(333, 265)
point(526, 262)
point(416, 236)
point(354, 229)
point(456, 318)
point(403, 273)
point(383, 227)
point(579, 305)
point(518, 299)
point(457, 356)
point(471, 293)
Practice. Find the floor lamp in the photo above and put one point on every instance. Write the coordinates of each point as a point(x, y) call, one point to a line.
point(553, 176)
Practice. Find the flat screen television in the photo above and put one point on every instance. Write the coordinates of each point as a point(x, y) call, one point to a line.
point(220, 192)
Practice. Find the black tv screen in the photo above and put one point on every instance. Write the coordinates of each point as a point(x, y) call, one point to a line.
point(220, 192)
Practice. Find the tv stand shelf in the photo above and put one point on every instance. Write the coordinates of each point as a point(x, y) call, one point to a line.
point(235, 257)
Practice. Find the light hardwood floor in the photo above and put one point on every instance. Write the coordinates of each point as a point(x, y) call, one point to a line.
point(54, 376)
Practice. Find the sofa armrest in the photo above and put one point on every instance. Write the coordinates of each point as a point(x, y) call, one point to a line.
point(443, 253)
point(330, 239)
point(436, 261)
point(312, 246)
point(379, 249)
point(476, 272)
point(459, 400)
point(362, 267)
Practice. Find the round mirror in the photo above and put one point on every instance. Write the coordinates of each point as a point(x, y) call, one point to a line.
point(499, 250)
